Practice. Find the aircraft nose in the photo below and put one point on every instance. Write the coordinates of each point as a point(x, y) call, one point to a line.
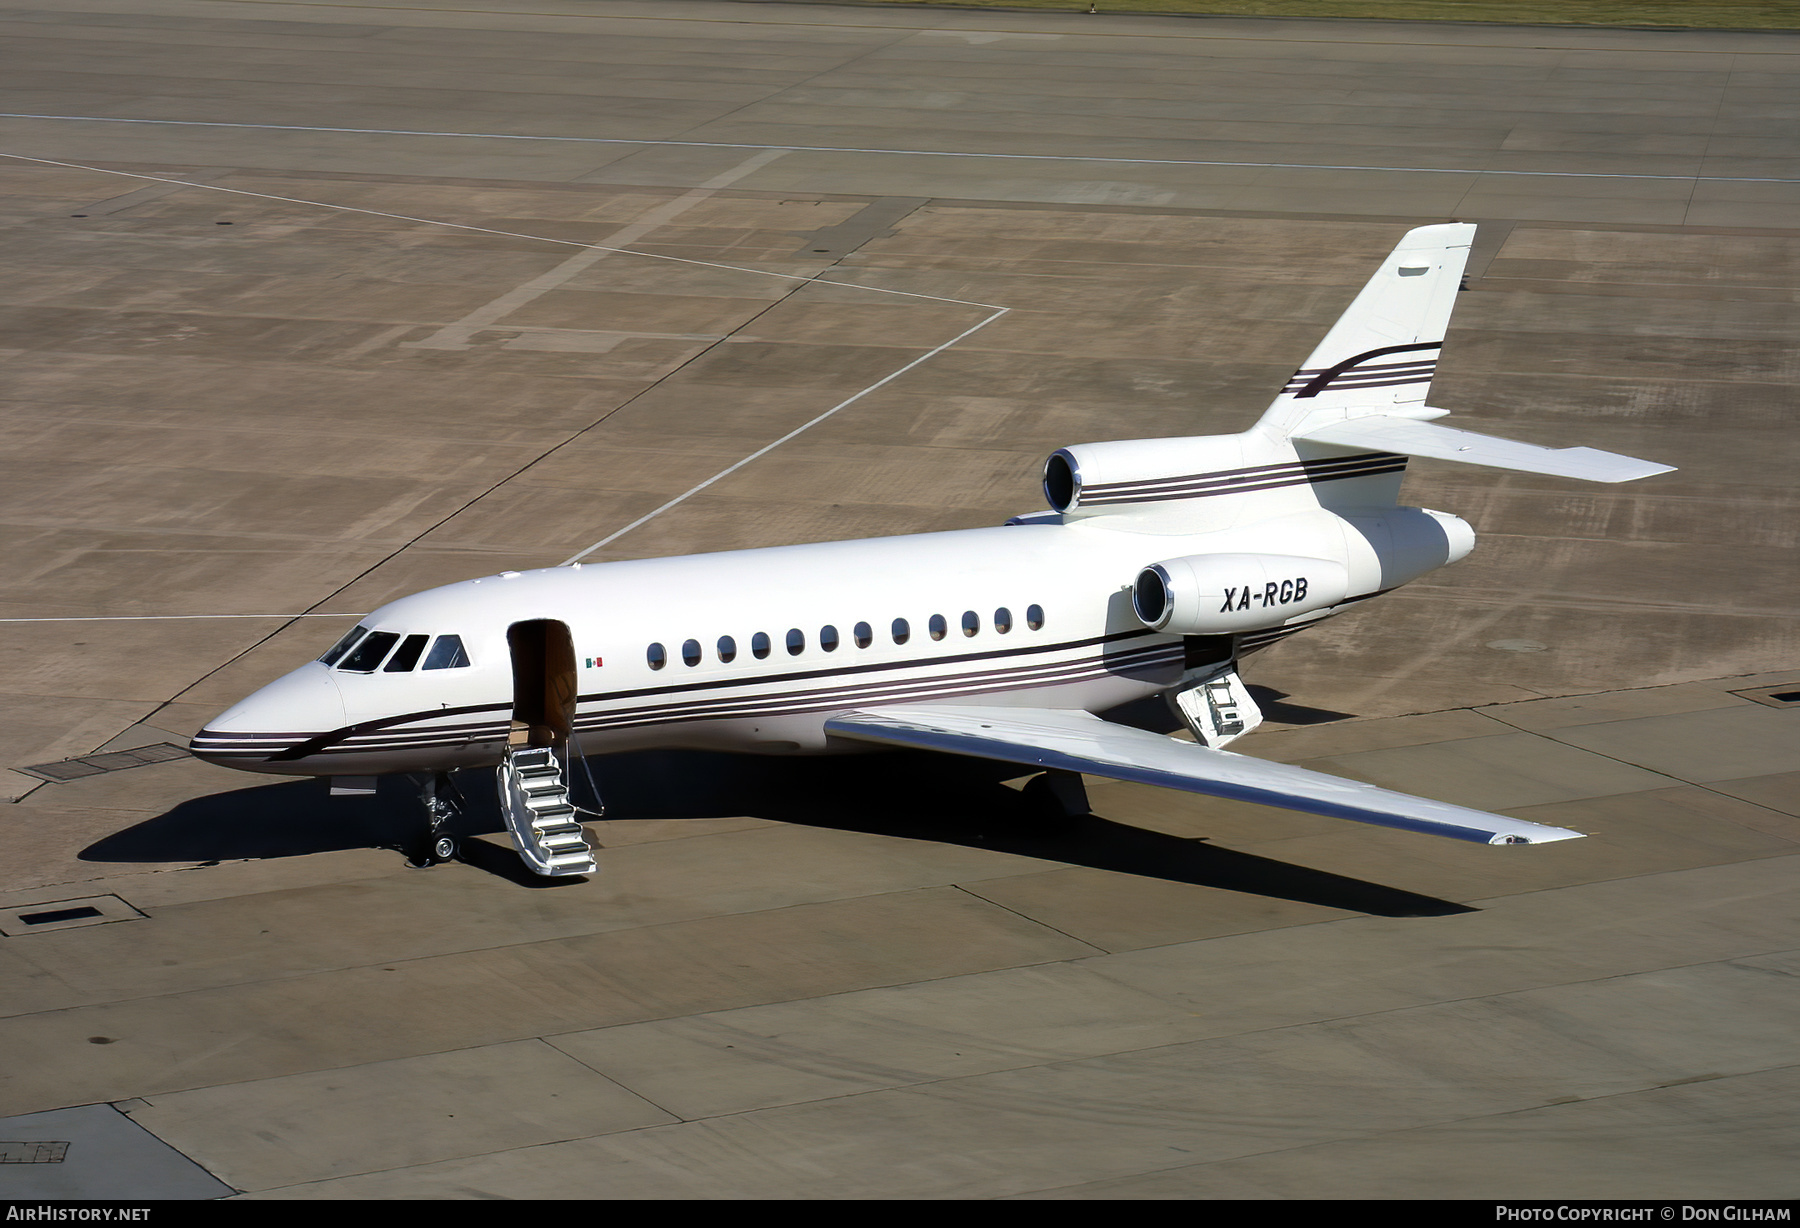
point(293, 708)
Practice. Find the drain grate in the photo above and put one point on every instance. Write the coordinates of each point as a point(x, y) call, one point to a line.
point(33, 1153)
point(1782, 695)
point(110, 761)
point(58, 914)
point(65, 915)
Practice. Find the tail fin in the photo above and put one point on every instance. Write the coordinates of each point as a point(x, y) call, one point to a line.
point(1362, 393)
point(1380, 355)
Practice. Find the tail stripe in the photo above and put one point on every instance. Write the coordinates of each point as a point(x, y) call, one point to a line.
point(1240, 481)
point(1345, 374)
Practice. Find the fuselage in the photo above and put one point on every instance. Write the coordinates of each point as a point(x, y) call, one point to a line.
point(754, 650)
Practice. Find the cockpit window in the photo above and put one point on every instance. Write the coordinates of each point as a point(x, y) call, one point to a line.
point(407, 655)
point(369, 653)
point(343, 646)
point(447, 653)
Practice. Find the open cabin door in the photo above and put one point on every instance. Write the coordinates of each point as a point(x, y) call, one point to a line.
point(534, 784)
point(543, 665)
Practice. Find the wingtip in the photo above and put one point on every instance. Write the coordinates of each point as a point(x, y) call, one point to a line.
point(1544, 835)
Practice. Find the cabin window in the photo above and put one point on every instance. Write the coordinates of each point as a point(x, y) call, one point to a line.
point(690, 653)
point(971, 622)
point(407, 656)
point(939, 628)
point(343, 646)
point(796, 642)
point(727, 649)
point(657, 655)
point(828, 638)
point(1003, 620)
point(1034, 617)
point(369, 653)
point(863, 634)
point(902, 631)
point(447, 653)
point(759, 645)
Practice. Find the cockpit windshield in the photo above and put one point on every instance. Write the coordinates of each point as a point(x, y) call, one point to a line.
point(343, 646)
point(368, 654)
point(407, 655)
point(372, 648)
point(447, 653)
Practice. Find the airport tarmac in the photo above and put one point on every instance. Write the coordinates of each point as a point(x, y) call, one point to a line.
point(360, 370)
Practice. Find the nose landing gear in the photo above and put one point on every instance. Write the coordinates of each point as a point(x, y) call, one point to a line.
point(443, 803)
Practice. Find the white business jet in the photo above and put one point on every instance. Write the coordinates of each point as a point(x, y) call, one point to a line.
point(1161, 563)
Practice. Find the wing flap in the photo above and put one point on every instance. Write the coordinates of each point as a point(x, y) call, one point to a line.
point(1081, 742)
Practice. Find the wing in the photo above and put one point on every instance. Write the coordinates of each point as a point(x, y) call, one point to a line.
point(1080, 742)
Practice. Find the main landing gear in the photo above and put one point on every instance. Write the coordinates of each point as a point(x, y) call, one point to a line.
point(1058, 796)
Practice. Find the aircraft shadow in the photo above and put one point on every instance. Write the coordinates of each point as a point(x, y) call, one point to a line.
point(1271, 702)
point(914, 795)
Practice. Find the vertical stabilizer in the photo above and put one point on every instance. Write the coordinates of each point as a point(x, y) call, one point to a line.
point(1380, 356)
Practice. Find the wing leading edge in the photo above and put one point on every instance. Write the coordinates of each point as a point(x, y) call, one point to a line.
point(1080, 742)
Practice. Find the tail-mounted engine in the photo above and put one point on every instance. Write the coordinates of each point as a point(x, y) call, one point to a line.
point(1128, 474)
point(1123, 472)
point(1216, 594)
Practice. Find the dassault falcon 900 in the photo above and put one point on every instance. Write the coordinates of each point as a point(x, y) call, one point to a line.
point(1160, 564)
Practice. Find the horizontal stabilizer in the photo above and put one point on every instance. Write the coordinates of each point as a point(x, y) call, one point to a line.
point(1081, 742)
point(1410, 437)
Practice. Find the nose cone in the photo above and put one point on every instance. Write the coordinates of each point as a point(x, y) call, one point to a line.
point(287, 712)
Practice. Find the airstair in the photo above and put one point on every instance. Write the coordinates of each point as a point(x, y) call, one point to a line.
point(1216, 706)
point(534, 797)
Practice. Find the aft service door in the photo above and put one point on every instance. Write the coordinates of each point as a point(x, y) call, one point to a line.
point(543, 663)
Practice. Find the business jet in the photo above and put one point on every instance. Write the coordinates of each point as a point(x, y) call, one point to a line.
point(1159, 565)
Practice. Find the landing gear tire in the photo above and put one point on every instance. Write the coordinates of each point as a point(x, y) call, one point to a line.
point(444, 849)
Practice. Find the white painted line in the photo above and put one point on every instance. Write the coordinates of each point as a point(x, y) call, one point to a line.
point(915, 153)
point(488, 230)
point(764, 451)
point(457, 336)
point(996, 309)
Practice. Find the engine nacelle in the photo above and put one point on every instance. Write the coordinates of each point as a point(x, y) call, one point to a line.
point(1216, 594)
point(1124, 472)
point(1409, 541)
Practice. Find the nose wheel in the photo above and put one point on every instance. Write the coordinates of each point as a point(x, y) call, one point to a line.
point(443, 803)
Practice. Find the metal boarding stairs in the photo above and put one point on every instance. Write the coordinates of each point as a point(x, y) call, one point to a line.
point(534, 797)
point(1215, 705)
